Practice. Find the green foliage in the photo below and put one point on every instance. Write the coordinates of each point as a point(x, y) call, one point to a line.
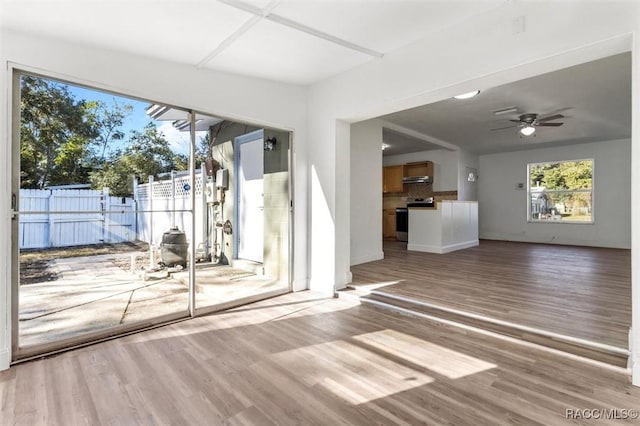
point(107, 122)
point(203, 149)
point(147, 154)
point(52, 124)
point(66, 141)
point(566, 175)
point(562, 182)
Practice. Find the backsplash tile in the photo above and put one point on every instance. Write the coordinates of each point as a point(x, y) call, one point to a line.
point(419, 190)
point(445, 195)
point(416, 190)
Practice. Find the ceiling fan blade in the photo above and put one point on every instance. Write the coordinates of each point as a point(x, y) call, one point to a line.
point(550, 124)
point(516, 121)
point(551, 117)
point(555, 111)
point(502, 128)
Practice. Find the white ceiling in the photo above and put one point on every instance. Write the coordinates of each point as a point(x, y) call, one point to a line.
point(279, 40)
point(594, 97)
point(249, 37)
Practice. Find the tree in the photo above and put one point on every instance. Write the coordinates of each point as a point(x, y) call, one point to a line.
point(52, 124)
point(107, 122)
point(62, 138)
point(562, 175)
point(65, 141)
point(148, 153)
point(564, 183)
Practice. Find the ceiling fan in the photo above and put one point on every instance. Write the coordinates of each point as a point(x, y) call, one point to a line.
point(528, 123)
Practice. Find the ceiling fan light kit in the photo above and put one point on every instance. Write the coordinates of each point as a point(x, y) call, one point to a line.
point(528, 130)
point(530, 121)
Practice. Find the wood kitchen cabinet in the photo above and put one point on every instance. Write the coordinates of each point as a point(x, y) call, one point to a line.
point(392, 178)
point(421, 168)
point(389, 223)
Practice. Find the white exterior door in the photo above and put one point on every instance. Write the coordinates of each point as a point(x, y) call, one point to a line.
point(250, 201)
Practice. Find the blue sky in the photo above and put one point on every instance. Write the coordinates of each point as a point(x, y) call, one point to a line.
point(179, 141)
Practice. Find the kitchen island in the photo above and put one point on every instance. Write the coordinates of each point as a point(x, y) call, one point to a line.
point(450, 225)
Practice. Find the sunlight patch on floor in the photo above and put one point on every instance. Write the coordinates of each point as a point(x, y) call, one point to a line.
point(441, 360)
point(376, 285)
point(351, 372)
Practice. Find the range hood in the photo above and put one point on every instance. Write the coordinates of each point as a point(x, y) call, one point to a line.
point(417, 179)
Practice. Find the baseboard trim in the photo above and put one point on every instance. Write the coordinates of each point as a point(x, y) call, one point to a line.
point(300, 285)
point(560, 241)
point(367, 258)
point(349, 277)
point(442, 249)
point(323, 286)
point(424, 248)
point(5, 359)
point(460, 246)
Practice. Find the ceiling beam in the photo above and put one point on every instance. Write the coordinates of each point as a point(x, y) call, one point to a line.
point(328, 37)
point(419, 135)
point(266, 14)
point(251, 22)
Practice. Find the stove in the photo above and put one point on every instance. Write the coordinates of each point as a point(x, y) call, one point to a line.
point(402, 224)
point(421, 202)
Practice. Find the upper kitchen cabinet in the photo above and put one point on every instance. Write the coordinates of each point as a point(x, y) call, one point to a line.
point(421, 168)
point(392, 178)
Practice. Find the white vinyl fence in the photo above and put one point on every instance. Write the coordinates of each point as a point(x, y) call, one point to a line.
point(71, 217)
point(165, 204)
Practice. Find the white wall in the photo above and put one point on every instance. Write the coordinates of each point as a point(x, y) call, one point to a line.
point(503, 208)
point(467, 191)
point(366, 192)
point(445, 166)
point(246, 99)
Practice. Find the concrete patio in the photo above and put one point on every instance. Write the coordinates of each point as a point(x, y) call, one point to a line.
point(92, 293)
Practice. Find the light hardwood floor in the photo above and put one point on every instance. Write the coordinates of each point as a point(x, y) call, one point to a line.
point(307, 359)
point(582, 292)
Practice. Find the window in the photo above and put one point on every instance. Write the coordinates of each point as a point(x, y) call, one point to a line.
point(561, 191)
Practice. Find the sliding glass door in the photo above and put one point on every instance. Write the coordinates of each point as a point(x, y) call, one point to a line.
point(98, 185)
point(130, 213)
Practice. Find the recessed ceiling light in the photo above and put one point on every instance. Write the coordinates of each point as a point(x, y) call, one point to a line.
point(467, 95)
point(528, 130)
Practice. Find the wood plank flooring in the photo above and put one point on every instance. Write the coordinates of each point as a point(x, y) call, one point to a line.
point(307, 359)
point(582, 292)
